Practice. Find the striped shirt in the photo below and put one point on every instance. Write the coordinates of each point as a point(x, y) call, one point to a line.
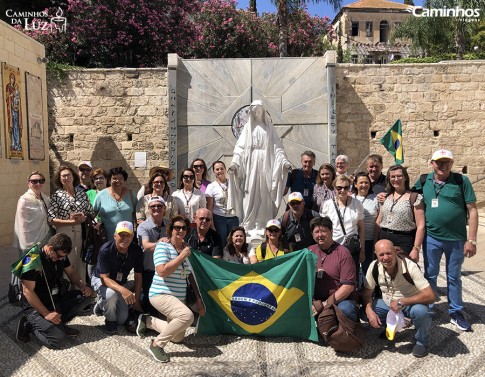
point(174, 284)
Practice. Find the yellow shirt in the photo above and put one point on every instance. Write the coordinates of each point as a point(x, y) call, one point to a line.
point(269, 253)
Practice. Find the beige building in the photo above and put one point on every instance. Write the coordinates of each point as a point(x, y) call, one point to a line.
point(365, 28)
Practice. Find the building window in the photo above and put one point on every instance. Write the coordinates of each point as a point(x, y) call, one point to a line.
point(369, 60)
point(368, 29)
point(355, 59)
point(384, 32)
point(382, 60)
point(355, 29)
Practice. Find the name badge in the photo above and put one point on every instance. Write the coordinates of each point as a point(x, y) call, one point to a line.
point(184, 274)
point(306, 192)
point(119, 276)
point(297, 237)
point(434, 203)
point(387, 299)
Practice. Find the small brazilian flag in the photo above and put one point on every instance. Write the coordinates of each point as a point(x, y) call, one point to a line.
point(27, 262)
point(392, 140)
point(271, 298)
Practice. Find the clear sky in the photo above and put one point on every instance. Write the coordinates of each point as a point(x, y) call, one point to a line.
point(321, 9)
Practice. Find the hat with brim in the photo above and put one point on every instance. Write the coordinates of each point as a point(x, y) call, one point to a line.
point(163, 170)
point(273, 223)
point(124, 226)
point(85, 163)
point(440, 154)
point(157, 199)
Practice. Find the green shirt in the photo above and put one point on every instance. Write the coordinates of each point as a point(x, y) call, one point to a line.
point(447, 221)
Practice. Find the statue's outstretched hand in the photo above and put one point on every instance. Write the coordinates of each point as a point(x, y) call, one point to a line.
point(233, 168)
point(288, 165)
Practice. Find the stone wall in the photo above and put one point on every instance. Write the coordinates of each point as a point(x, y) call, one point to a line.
point(440, 106)
point(20, 51)
point(106, 115)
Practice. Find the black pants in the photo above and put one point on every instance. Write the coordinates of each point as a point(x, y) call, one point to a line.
point(405, 240)
point(50, 334)
point(147, 278)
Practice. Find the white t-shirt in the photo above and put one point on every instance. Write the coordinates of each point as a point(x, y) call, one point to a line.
point(218, 191)
point(187, 204)
point(351, 214)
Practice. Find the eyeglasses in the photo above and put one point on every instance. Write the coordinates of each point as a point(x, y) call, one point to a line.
point(59, 255)
point(158, 182)
point(101, 178)
point(340, 188)
point(202, 219)
point(66, 175)
point(295, 203)
point(156, 207)
point(85, 170)
point(188, 177)
point(179, 228)
point(396, 177)
point(198, 166)
point(37, 181)
point(273, 230)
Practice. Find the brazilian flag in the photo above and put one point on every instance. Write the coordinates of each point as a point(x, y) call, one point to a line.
point(392, 140)
point(27, 262)
point(271, 298)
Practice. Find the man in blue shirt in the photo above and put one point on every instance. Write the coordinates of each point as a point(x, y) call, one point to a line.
point(115, 261)
point(303, 180)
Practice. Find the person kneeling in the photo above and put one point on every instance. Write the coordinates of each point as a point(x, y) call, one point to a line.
point(47, 302)
point(168, 291)
point(404, 287)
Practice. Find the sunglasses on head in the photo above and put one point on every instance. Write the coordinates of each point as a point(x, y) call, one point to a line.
point(188, 177)
point(37, 181)
point(179, 227)
point(340, 188)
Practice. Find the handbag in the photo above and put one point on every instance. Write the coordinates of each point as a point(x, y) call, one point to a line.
point(190, 295)
point(14, 291)
point(339, 331)
point(95, 237)
point(352, 242)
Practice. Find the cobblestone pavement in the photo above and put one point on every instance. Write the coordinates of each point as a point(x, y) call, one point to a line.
point(93, 353)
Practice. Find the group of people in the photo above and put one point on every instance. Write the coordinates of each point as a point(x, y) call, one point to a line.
point(367, 231)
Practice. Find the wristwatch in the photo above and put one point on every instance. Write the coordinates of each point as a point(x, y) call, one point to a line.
point(473, 242)
point(399, 304)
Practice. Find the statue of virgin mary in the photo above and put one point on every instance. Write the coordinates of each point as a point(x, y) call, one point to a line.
point(258, 170)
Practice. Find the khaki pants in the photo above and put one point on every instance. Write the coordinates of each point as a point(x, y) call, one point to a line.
point(179, 318)
point(75, 234)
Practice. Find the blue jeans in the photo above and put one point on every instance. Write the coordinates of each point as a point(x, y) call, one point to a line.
point(350, 309)
point(420, 314)
point(112, 303)
point(432, 252)
point(223, 226)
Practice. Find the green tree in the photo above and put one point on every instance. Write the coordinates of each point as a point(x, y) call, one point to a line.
point(478, 38)
point(284, 8)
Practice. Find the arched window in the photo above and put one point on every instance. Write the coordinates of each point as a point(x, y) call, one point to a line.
point(384, 32)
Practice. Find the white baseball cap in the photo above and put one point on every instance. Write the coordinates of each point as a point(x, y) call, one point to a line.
point(124, 226)
point(87, 163)
point(441, 153)
point(156, 199)
point(295, 196)
point(274, 223)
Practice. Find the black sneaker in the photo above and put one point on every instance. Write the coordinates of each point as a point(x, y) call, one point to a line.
point(111, 327)
point(142, 325)
point(71, 332)
point(22, 335)
point(419, 350)
point(459, 321)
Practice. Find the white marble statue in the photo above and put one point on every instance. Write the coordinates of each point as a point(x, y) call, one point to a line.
point(258, 170)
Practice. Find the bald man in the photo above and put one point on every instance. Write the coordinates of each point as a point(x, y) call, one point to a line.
point(203, 238)
point(403, 287)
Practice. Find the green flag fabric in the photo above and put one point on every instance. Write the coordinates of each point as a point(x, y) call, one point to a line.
point(271, 298)
point(392, 140)
point(27, 262)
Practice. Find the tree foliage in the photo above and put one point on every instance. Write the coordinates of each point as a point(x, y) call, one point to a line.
point(140, 33)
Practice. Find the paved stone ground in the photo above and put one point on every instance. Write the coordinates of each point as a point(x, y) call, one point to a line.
point(93, 353)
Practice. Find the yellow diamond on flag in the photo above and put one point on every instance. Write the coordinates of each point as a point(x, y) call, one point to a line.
point(254, 303)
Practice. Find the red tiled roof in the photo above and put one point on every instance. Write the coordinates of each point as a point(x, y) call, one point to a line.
point(376, 4)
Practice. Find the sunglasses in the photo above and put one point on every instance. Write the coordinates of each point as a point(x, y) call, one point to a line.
point(158, 182)
point(198, 166)
point(295, 203)
point(37, 181)
point(156, 207)
point(273, 230)
point(188, 177)
point(340, 188)
point(85, 170)
point(179, 227)
point(204, 219)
